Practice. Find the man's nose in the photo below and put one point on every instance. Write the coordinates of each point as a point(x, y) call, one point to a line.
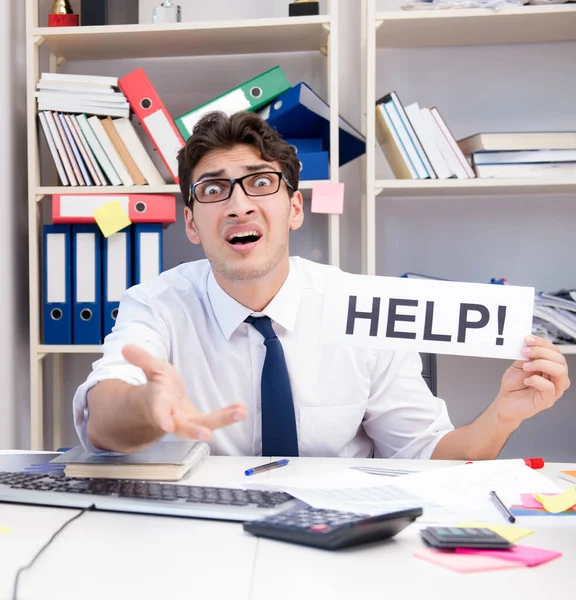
point(239, 204)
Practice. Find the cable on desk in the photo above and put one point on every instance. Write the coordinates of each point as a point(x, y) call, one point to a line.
point(37, 555)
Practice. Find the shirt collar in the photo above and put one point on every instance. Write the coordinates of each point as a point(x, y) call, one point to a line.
point(282, 309)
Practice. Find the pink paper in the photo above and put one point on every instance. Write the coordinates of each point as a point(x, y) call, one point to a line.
point(525, 555)
point(463, 563)
point(328, 198)
point(528, 501)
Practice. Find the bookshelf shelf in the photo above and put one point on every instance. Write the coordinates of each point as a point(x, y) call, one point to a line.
point(407, 188)
point(249, 36)
point(567, 348)
point(472, 27)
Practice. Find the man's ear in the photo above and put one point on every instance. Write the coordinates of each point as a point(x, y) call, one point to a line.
point(191, 231)
point(296, 210)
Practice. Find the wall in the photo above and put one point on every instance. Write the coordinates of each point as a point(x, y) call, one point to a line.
point(14, 354)
point(527, 240)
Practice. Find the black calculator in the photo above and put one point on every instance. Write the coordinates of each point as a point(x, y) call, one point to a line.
point(464, 537)
point(332, 529)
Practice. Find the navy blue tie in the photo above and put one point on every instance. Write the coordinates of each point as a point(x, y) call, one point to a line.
point(279, 437)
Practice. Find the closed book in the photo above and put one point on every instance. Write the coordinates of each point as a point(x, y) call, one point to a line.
point(523, 156)
point(251, 95)
point(110, 150)
point(408, 135)
point(123, 152)
point(85, 80)
point(163, 461)
point(392, 146)
point(136, 148)
point(452, 141)
point(98, 150)
point(526, 170)
point(544, 140)
point(53, 149)
point(78, 107)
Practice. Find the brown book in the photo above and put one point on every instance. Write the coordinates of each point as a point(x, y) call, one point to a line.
point(392, 147)
point(123, 152)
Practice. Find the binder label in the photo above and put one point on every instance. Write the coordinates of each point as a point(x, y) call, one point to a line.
point(442, 317)
point(56, 261)
point(165, 138)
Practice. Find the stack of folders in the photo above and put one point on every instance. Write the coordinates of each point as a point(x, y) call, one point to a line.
point(555, 316)
point(297, 113)
point(522, 154)
point(92, 140)
point(417, 142)
point(85, 273)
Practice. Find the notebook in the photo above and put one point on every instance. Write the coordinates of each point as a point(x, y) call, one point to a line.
point(163, 461)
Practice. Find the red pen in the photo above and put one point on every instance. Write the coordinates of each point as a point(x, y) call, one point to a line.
point(533, 463)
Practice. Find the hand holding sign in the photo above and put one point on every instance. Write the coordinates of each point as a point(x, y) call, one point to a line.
point(531, 386)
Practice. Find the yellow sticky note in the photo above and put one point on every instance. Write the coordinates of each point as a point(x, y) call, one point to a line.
point(560, 502)
point(4, 529)
point(111, 218)
point(508, 532)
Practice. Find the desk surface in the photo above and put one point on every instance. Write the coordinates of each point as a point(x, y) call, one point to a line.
point(109, 556)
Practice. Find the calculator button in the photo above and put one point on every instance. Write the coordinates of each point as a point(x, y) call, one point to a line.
point(319, 527)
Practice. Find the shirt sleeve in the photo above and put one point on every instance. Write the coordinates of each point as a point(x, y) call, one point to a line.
point(140, 323)
point(403, 418)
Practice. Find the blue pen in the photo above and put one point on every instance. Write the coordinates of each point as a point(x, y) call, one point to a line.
point(273, 465)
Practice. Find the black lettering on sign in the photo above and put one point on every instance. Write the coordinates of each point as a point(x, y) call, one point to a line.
point(428, 335)
point(393, 317)
point(353, 314)
point(464, 324)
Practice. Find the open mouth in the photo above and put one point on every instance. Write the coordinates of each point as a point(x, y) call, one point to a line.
point(242, 238)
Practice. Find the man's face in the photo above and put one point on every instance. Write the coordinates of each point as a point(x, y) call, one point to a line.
point(269, 218)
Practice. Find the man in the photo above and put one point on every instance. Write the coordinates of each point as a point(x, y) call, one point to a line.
point(228, 349)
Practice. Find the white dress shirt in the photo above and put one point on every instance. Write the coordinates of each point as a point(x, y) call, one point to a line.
point(349, 402)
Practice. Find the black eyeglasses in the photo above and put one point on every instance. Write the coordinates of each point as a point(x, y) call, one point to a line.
point(265, 183)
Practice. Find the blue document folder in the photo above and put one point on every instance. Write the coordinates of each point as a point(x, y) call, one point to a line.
point(148, 255)
point(57, 304)
point(301, 113)
point(116, 273)
point(87, 290)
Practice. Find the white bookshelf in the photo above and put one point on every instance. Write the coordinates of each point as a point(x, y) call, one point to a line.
point(431, 28)
point(219, 38)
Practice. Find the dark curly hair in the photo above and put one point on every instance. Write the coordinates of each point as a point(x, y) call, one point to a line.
point(216, 130)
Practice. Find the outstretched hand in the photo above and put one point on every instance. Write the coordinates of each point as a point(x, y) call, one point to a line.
point(531, 386)
point(167, 404)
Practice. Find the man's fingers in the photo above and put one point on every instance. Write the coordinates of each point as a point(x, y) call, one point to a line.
point(143, 359)
point(186, 428)
point(547, 366)
point(163, 416)
point(534, 340)
point(224, 416)
point(546, 389)
point(552, 354)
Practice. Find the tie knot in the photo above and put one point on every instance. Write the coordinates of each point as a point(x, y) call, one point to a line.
point(263, 325)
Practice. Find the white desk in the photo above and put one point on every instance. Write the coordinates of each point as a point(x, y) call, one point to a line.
point(106, 556)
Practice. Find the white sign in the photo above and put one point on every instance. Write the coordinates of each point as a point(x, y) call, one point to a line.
point(423, 315)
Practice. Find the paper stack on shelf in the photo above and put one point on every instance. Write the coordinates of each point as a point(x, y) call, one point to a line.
point(555, 316)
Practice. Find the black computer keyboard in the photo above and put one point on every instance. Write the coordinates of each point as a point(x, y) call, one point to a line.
point(141, 496)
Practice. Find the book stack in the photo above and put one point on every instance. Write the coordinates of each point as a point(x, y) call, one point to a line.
point(521, 155)
point(90, 147)
point(417, 142)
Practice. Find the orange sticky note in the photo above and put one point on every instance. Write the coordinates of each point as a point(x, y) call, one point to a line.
point(560, 502)
point(111, 218)
point(328, 198)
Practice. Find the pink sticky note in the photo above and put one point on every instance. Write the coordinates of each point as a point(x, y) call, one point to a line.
point(471, 564)
point(328, 198)
point(525, 555)
point(528, 501)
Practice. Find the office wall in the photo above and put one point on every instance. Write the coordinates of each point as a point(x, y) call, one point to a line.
point(13, 231)
point(527, 240)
